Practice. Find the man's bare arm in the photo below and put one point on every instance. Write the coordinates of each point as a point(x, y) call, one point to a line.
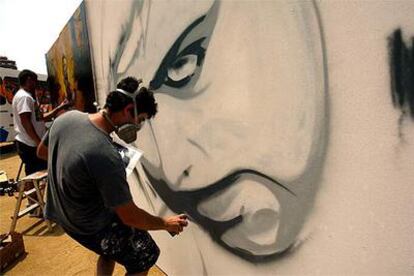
point(42, 151)
point(133, 216)
point(52, 114)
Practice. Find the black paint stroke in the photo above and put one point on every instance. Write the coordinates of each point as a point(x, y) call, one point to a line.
point(401, 58)
point(200, 148)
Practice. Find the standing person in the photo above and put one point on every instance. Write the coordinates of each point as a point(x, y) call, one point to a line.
point(29, 130)
point(88, 194)
point(29, 127)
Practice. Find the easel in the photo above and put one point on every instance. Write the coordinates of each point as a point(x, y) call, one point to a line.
point(39, 180)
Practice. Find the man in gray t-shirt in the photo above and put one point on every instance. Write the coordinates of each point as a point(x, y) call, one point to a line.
point(88, 194)
point(88, 178)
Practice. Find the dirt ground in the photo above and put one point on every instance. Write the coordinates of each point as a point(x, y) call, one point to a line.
point(48, 253)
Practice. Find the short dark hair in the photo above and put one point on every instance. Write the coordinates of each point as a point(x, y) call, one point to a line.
point(128, 84)
point(25, 75)
point(145, 100)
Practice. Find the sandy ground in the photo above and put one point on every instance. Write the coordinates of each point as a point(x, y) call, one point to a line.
point(48, 253)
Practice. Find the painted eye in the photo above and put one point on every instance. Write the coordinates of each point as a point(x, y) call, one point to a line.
point(177, 69)
point(183, 68)
point(180, 65)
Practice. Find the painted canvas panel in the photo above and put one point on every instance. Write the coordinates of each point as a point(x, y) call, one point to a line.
point(276, 132)
point(69, 65)
point(240, 137)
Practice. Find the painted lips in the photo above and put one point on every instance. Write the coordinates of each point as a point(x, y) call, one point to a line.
point(234, 231)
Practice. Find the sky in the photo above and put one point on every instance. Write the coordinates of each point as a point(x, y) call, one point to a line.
point(28, 28)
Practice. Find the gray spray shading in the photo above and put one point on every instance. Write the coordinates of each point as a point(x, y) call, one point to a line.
point(401, 59)
point(135, 14)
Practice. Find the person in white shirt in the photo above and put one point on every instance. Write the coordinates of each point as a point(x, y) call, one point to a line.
point(29, 129)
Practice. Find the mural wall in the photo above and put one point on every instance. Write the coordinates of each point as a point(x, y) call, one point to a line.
point(276, 132)
point(69, 65)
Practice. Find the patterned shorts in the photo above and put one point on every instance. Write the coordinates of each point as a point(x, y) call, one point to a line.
point(130, 247)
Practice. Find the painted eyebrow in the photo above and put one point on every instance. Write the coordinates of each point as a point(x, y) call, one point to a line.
point(162, 71)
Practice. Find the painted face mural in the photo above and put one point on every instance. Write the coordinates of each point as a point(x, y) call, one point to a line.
point(240, 138)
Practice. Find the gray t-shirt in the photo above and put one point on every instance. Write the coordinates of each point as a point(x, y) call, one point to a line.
point(87, 178)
